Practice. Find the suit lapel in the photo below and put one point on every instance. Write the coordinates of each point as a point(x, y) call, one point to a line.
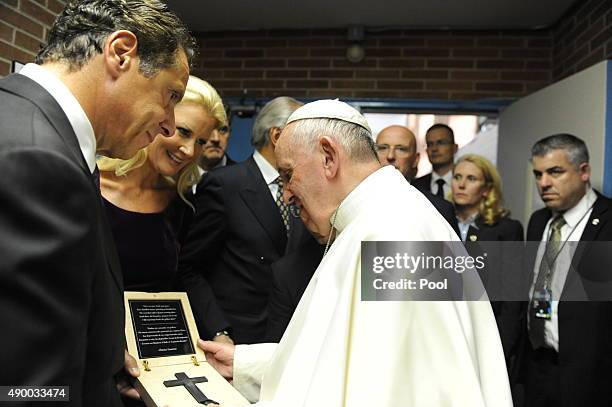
point(25, 87)
point(256, 196)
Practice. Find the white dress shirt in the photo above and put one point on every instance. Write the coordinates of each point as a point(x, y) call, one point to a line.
point(70, 105)
point(576, 219)
point(268, 171)
point(433, 187)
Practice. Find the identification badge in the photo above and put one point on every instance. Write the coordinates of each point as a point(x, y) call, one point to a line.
point(542, 304)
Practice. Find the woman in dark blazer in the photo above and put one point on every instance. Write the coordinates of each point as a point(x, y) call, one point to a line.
point(477, 195)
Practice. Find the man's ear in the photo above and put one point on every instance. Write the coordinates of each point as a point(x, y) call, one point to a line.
point(275, 133)
point(585, 172)
point(331, 158)
point(120, 52)
point(416, 161)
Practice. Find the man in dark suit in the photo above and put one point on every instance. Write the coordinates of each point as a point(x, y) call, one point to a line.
point(240, 227)
point(396, 145)
point(567, 352)
point(214, 151)
point(441, 150)
point(105, 82)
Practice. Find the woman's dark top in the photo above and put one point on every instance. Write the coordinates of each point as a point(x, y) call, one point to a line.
point(147, 247)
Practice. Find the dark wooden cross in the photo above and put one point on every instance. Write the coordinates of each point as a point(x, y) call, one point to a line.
point(189, 383)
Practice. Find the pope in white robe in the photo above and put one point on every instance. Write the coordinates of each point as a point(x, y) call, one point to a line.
point(341, 351)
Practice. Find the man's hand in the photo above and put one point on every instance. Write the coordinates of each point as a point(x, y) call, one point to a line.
point(123, 383)
point(220, 356)
point(223, 339)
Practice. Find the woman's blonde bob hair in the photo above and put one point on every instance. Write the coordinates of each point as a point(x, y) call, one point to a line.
point(199, 92)
point(491, 209)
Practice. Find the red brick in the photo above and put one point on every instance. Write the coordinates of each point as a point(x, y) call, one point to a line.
point(14, 18)
point(210, 53)
point(525, 76)
point(6, 32)
point(602, 37)
point(286, 52)
point(500, 42)
point(591, 32)
point(307, 84)
point(499, 86)
point(352, 84)
point(208, 74)
point(401, 42)
point(265, 63)
point(540, 42)
point(267, 42)
point(425, 52)
point(244, 53)
point(475, 75)
point(423, 95)
point(424, 74)
point(224, 43)
point(449, 85)
point(244, 73)
point(221, 63)
point(226, 93)
point(378, 94)
point(366, 63)
point(37, 12)
point(295, 93)
point(12, 53)
point(289, 33)
point(332, 93)
point(25, 41)
point(450, 63)
point(223, 84)
point(525, 53)
point(262, 84)
point(384, 52)
point(538, 64)
point(286, 74)
point(580, 53)
point(326, 52)
point(469, 95)
point(476, 53)
point(500, 64)
point(309, 63)
point(310, 42)
point(332, 73)
point(55, 6)
point(593, 58)
point(377, 74)
point(402, 63)
point(450, 42)
point(5, 68)
point(601, 10)
point(400, 84)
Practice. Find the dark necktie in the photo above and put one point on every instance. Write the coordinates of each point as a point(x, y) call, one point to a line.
point(96, 177)
point(544, 280)
point(282, 207)
point(440, 191)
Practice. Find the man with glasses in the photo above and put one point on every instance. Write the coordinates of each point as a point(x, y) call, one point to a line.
point(441, 150)
point(396, 145)
point(240, 227)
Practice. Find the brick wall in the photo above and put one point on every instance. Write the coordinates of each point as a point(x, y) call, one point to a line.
point(398, 64)
point(582, 38)
point(23, 26)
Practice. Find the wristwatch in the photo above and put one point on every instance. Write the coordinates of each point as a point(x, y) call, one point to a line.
point(222, 332)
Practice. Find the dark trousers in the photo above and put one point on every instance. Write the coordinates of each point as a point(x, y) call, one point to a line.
point(542, 384)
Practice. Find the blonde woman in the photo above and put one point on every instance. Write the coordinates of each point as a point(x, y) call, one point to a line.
point(143, 195)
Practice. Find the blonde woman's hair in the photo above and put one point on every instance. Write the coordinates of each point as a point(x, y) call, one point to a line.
point(198, 92)
point(491, 209)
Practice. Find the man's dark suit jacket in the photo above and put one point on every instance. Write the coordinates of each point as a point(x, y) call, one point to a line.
point(585, 328)
point(423, 183)
point(225, 262)
point(61, 294)
point(445, 208)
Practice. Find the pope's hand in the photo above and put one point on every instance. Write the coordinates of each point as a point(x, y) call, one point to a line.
point(123, 383)
point(220, 356)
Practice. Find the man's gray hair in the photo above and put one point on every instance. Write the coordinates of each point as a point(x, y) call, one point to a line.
point(576, 149)
point(274, 114)
point(356, 140)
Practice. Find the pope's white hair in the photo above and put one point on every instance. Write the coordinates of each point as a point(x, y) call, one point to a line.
point(354, 139)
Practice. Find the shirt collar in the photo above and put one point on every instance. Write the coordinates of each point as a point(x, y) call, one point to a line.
point(573, 215)
point(70, 105)
point(269, 173)
point(447, 177)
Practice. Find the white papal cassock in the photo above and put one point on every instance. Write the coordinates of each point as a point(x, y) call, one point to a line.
point(340, 351)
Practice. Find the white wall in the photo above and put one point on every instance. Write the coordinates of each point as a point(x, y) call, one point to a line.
point(574, 105)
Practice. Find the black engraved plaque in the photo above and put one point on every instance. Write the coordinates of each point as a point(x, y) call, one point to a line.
point(160, 328)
